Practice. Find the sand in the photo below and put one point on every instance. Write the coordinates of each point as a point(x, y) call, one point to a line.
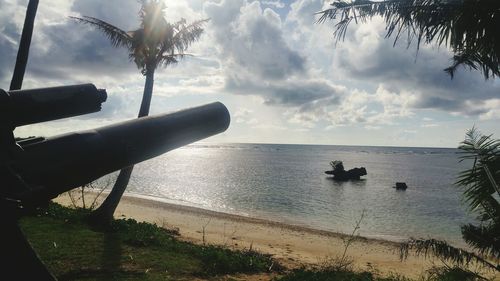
point(292, 245)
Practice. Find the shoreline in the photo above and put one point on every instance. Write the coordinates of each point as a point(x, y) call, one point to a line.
point(262, 220)
point(145, 199)
point(396, 240)
point(292, 245)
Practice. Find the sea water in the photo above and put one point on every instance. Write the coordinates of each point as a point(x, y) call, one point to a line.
point(287, 183)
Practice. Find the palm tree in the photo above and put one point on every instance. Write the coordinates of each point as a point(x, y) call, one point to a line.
point(468, 27)
point(482, 193)
point(24, 46)
point(155, 43)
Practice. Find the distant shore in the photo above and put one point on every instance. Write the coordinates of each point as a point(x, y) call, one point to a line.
point(292, 245)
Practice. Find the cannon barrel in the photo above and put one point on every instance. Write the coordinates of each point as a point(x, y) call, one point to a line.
point(58, 164)
point(23, 107)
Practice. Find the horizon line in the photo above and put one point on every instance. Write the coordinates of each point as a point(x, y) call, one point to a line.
point(311, 144)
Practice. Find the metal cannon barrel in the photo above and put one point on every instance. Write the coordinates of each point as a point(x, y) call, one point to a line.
point(22, 107)
point(58, 164)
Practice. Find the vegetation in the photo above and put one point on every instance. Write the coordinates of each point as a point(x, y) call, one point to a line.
point(131, 250)
point(88, 196)
point(468, 27)
point(481, 191)
point(155, 43)
point(128, 250)
point(337, 165)
point(334, 274)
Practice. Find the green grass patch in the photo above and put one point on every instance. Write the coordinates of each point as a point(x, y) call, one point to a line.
point(128, 250)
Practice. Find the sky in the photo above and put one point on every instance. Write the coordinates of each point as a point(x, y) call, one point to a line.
point(280, 73)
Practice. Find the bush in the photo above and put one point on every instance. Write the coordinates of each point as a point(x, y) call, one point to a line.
point(58, 211)
point(140, 233)
point(220, 260)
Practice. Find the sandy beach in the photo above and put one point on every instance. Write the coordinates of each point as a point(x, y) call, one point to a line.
point(291, 245)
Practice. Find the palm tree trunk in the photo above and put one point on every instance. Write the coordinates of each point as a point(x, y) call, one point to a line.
point(24, 46)
point(148, 93)
point(103, 215)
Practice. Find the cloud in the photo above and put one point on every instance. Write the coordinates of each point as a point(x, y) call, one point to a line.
point(429, 125)
point(366, 55)
point(303, 12)
point(286, 93)
point(242, 115)
point(274, 3)
point(368, 61)
point(63, 51)
point(9, 52)
point(251, 40)
point(66, 51)
point(120, 13)
point(11, 20)
point(352, 107)
point(257, 58)
point(258, 61)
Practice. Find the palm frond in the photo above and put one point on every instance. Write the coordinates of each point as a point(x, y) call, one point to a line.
point(485, 151)
point(138, 51)
point(484, 239)
point(481, 191)
point(117, 36)
point(174, 47)
point(478, 190)
point(474, 60)
point(468, 27)
point(187, 34)
point(173, 58)
point(443, 250)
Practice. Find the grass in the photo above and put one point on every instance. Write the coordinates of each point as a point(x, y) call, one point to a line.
point(128, 250)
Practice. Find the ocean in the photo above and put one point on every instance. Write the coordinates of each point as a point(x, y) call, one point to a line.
point(287, 183)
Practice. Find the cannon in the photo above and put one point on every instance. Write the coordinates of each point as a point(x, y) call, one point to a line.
point(35, 170)
point(23, 107)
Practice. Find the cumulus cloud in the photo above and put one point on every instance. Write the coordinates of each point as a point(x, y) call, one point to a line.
point(11, 20)
point(251, 40)
point(123, 14)
point(67, 51)
point(258, 61)
point(287, 93)
point(366, 60)
point(372, 110)
point(366, 55)
point(63, 51)
point(9, 50)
